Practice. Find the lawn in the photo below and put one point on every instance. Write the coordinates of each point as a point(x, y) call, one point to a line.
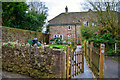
point(60, 46)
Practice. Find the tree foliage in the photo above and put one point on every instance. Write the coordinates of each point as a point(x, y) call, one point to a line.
point(14, 15)
point(107, 15)
point(87, 32)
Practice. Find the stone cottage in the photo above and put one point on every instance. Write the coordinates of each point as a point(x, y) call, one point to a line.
point(67, 25)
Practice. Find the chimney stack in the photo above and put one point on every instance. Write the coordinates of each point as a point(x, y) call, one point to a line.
point(66, 9)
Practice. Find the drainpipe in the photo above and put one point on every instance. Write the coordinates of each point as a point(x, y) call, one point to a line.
point(75, 35)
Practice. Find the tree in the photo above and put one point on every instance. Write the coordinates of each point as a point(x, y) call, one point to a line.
point(34, 21)
point(107, 14)
point(13, 13)
point(39, 7)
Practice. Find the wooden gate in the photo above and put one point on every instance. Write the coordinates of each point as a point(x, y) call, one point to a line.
point(74, 61)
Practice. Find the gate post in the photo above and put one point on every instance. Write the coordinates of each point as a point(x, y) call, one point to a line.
point(87, 51)
point(91, 47)
point(115, 47)
point(102, 50)
point(83, 56)
point(71, 57)
point(67, 62)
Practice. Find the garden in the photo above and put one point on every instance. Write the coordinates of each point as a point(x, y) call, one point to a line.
point(58, 43)
point(101, 35)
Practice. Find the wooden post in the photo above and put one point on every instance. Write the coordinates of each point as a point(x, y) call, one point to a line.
point(84, 47)
point(67, 62)
point(78, 63)
point(82, 62)
point(87, 52)
point(71, 64)
point(75, 63)
point(83, 56)
point(115, 47)
point(102, 50)
point(91, 47)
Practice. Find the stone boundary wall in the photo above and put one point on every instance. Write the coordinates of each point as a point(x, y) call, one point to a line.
point(37, 62)
point(13, 34)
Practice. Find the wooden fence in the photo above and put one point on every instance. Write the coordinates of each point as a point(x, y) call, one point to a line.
point(95, 58)
point(74, 62)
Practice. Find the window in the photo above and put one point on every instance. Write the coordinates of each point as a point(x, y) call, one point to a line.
point(54, 36)
point(69, 36)
point(69, 27)
point(59, 35)
point(93, 24)
point(86, 23)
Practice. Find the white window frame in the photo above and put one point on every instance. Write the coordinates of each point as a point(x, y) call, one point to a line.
point(69, 36)
point(93, 24)
point(85, 23)
point(68, 27)
point(58, 35)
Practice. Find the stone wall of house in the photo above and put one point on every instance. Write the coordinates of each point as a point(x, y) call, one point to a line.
point(37, 62)
point(63, 30)
point(13, 34)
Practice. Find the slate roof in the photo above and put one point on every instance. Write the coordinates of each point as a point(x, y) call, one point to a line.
point(68, 18)
point(74, 18)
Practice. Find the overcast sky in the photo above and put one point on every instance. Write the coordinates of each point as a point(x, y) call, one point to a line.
point(58, 6)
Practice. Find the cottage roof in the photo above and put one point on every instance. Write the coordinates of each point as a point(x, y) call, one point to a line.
point(68, 18)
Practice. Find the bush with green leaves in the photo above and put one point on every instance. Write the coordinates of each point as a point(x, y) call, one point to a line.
point(106, 38)
point(109, 41)
point(87, 32)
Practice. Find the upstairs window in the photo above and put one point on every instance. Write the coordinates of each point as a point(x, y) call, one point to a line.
point(69, 27)
point(93, 24)
point(69, 36)
point(86, 23)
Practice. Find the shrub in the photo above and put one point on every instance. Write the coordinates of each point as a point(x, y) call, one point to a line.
point(87, 32)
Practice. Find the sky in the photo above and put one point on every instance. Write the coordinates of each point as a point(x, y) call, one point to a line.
point(58, 6)
point(55, 7)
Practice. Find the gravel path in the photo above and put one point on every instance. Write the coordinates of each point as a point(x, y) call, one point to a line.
point(111, 67)
point(14, 76)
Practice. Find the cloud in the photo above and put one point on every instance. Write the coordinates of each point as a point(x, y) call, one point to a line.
point(58, 6)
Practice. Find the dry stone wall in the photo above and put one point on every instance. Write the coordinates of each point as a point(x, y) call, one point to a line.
point(38, 62)
point(13, 34)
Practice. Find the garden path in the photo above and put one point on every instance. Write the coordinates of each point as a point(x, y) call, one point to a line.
point(87, 72)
